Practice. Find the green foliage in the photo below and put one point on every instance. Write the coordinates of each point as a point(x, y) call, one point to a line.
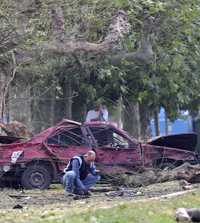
point(171, 80)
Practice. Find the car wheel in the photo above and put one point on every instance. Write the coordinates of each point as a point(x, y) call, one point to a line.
point(36, 176)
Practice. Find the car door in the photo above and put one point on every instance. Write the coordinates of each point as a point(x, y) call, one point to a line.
point(66, 143)
point(115, 152)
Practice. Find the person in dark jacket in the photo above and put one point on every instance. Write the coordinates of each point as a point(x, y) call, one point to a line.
point(80, 174)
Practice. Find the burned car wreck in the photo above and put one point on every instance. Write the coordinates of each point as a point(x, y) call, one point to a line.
point(40, 161)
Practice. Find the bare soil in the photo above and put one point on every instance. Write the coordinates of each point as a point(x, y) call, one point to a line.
point(11, 198)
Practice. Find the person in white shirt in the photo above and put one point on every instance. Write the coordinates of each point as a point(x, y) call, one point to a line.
point(92, 115)
point(103, 113)
point(100, 113)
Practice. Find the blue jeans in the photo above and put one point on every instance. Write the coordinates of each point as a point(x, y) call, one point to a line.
point(72, 184)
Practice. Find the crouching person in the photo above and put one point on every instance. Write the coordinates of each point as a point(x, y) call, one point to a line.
point(80, 174)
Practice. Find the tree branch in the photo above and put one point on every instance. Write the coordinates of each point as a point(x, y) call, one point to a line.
point(60, 45)
point(118, 28)
point(144, 52)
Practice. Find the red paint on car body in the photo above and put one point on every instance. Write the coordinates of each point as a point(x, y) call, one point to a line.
point(116, 150)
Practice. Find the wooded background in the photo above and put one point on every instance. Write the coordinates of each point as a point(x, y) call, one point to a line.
point(59, 57)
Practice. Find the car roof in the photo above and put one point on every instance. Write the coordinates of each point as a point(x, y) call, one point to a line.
point(40, 137)
point(68, 122)
point(111, 125)
point(99, 123)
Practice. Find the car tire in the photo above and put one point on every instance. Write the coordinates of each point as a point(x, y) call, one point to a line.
point(36, 177)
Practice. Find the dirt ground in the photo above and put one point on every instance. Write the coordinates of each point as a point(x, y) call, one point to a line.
point(11, 198)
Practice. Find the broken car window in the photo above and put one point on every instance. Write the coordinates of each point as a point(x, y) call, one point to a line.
point(67, 137)
point(106, 136)
point(103, 136)
point(120, 141)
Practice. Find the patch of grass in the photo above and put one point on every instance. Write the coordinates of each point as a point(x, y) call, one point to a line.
point(150, 211)
point(143, 211)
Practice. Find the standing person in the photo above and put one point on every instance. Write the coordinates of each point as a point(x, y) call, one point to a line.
point(100, 113)
point(93, 115)
point(80, 174)
point(103, 113)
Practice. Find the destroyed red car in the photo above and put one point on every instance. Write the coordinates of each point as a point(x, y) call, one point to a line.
point(38, 162)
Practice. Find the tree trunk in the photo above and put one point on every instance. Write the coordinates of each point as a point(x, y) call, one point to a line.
point(2, 94)
point(144, 122)
point(196, 127)
point(119, 113)
point(156, 122)
point(52, 105)
point(68, 95)
point(7, 75)
point(79, 110)
point(132, 119)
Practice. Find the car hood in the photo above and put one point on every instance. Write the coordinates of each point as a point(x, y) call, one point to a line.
point(185, 141)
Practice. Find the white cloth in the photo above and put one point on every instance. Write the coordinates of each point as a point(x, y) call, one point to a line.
point(99, 115)
point(92, 114)
point(105, 114)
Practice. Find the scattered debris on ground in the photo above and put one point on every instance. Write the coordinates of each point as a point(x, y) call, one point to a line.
point(18, 206)
point(102, 192)
point(113, 192)
point(143, 177)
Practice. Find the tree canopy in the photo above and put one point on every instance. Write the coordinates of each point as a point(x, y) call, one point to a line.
point(143, 51)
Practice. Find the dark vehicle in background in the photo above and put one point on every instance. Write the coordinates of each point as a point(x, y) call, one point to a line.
point(40, 161)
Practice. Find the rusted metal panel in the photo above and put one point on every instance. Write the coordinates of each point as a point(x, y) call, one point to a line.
point(185, 141)
point(153, 153)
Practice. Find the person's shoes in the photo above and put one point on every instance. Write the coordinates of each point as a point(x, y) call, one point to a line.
point(79, 192)
point(88, 193)
point(80, 197)
point(68, 194)
point(83, 193)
